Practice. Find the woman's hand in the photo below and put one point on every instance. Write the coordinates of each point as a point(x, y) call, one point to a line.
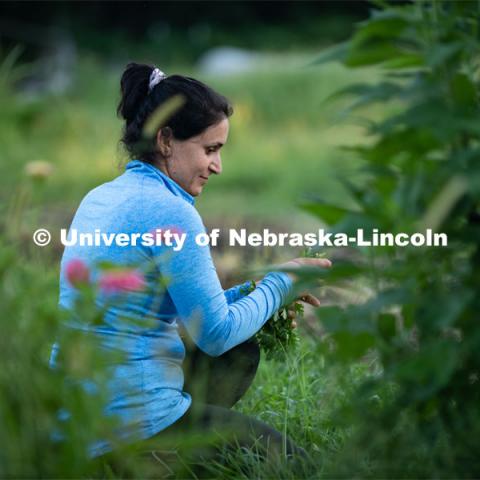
point(292, 315)
point(304, 297)
point(306, 262)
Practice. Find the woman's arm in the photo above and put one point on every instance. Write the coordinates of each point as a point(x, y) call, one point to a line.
point(238, 291)
point(213, 324)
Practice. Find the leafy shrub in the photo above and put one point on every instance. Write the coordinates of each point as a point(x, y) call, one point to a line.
point(420, 416)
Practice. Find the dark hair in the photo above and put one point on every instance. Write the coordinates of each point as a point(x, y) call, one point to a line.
point(202, 108)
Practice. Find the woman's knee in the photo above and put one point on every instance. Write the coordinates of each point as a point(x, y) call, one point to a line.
point(249, 353)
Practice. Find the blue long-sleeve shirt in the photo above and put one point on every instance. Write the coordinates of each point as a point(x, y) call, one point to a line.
point(146, 387)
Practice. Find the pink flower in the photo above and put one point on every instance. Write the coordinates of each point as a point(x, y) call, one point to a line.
point(77, 272)
point(116, 281)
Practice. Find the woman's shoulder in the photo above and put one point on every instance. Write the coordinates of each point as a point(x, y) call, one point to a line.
point(161, 203)
point(170, 206)
point(102, 191)
point(146, 202)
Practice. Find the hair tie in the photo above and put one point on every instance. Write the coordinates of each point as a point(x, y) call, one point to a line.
point(155, 77)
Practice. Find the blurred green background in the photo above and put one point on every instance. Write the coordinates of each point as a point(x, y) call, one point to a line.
point(284, 139)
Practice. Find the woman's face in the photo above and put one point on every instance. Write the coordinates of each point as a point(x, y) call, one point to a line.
point(191, 162)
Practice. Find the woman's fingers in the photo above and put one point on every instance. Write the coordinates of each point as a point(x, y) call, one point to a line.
point(305, 262)
point(310, 299)
point(292, 314)
point(314, 262)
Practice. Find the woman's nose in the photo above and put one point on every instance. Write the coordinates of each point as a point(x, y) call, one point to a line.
point(216, 166)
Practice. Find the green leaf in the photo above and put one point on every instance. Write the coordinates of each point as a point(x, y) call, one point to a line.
point(441, 206)
point(160, 115)
point(330, 214)
point(386, 324)
point(354, 319)
point(463, 91)
point(407, 60)
point(107, 265)
point(10, 69)
point(367, 94)
point(371, 54)
point(439, 54)
point(429, 369)
point(351, 346)
point(336, 53)
point(384, 25)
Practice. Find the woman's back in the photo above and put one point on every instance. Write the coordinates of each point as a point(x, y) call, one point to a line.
point(140, 326)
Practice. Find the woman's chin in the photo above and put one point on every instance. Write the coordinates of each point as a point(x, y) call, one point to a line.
point(196, 191)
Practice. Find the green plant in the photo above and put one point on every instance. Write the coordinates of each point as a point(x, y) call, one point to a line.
point(422, 172)
point(278, 337)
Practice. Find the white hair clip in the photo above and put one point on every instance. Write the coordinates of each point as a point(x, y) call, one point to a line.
point(155, 77)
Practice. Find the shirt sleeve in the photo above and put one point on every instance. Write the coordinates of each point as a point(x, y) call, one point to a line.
point(213, 323)
point(238, 291)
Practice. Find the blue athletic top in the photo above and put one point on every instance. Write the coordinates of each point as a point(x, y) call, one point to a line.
point(146, 388)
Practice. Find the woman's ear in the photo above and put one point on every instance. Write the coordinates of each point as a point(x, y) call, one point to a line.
point(164, 141)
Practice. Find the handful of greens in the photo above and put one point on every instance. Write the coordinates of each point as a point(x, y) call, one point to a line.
point(277, 336)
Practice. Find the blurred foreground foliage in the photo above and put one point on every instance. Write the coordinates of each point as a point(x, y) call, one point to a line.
point(31, 393)
point(421, 319)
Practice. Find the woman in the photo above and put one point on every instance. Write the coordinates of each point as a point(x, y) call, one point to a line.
point(157, 191)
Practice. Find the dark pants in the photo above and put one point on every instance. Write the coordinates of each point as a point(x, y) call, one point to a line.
point(216, 384)
point(222, 380)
